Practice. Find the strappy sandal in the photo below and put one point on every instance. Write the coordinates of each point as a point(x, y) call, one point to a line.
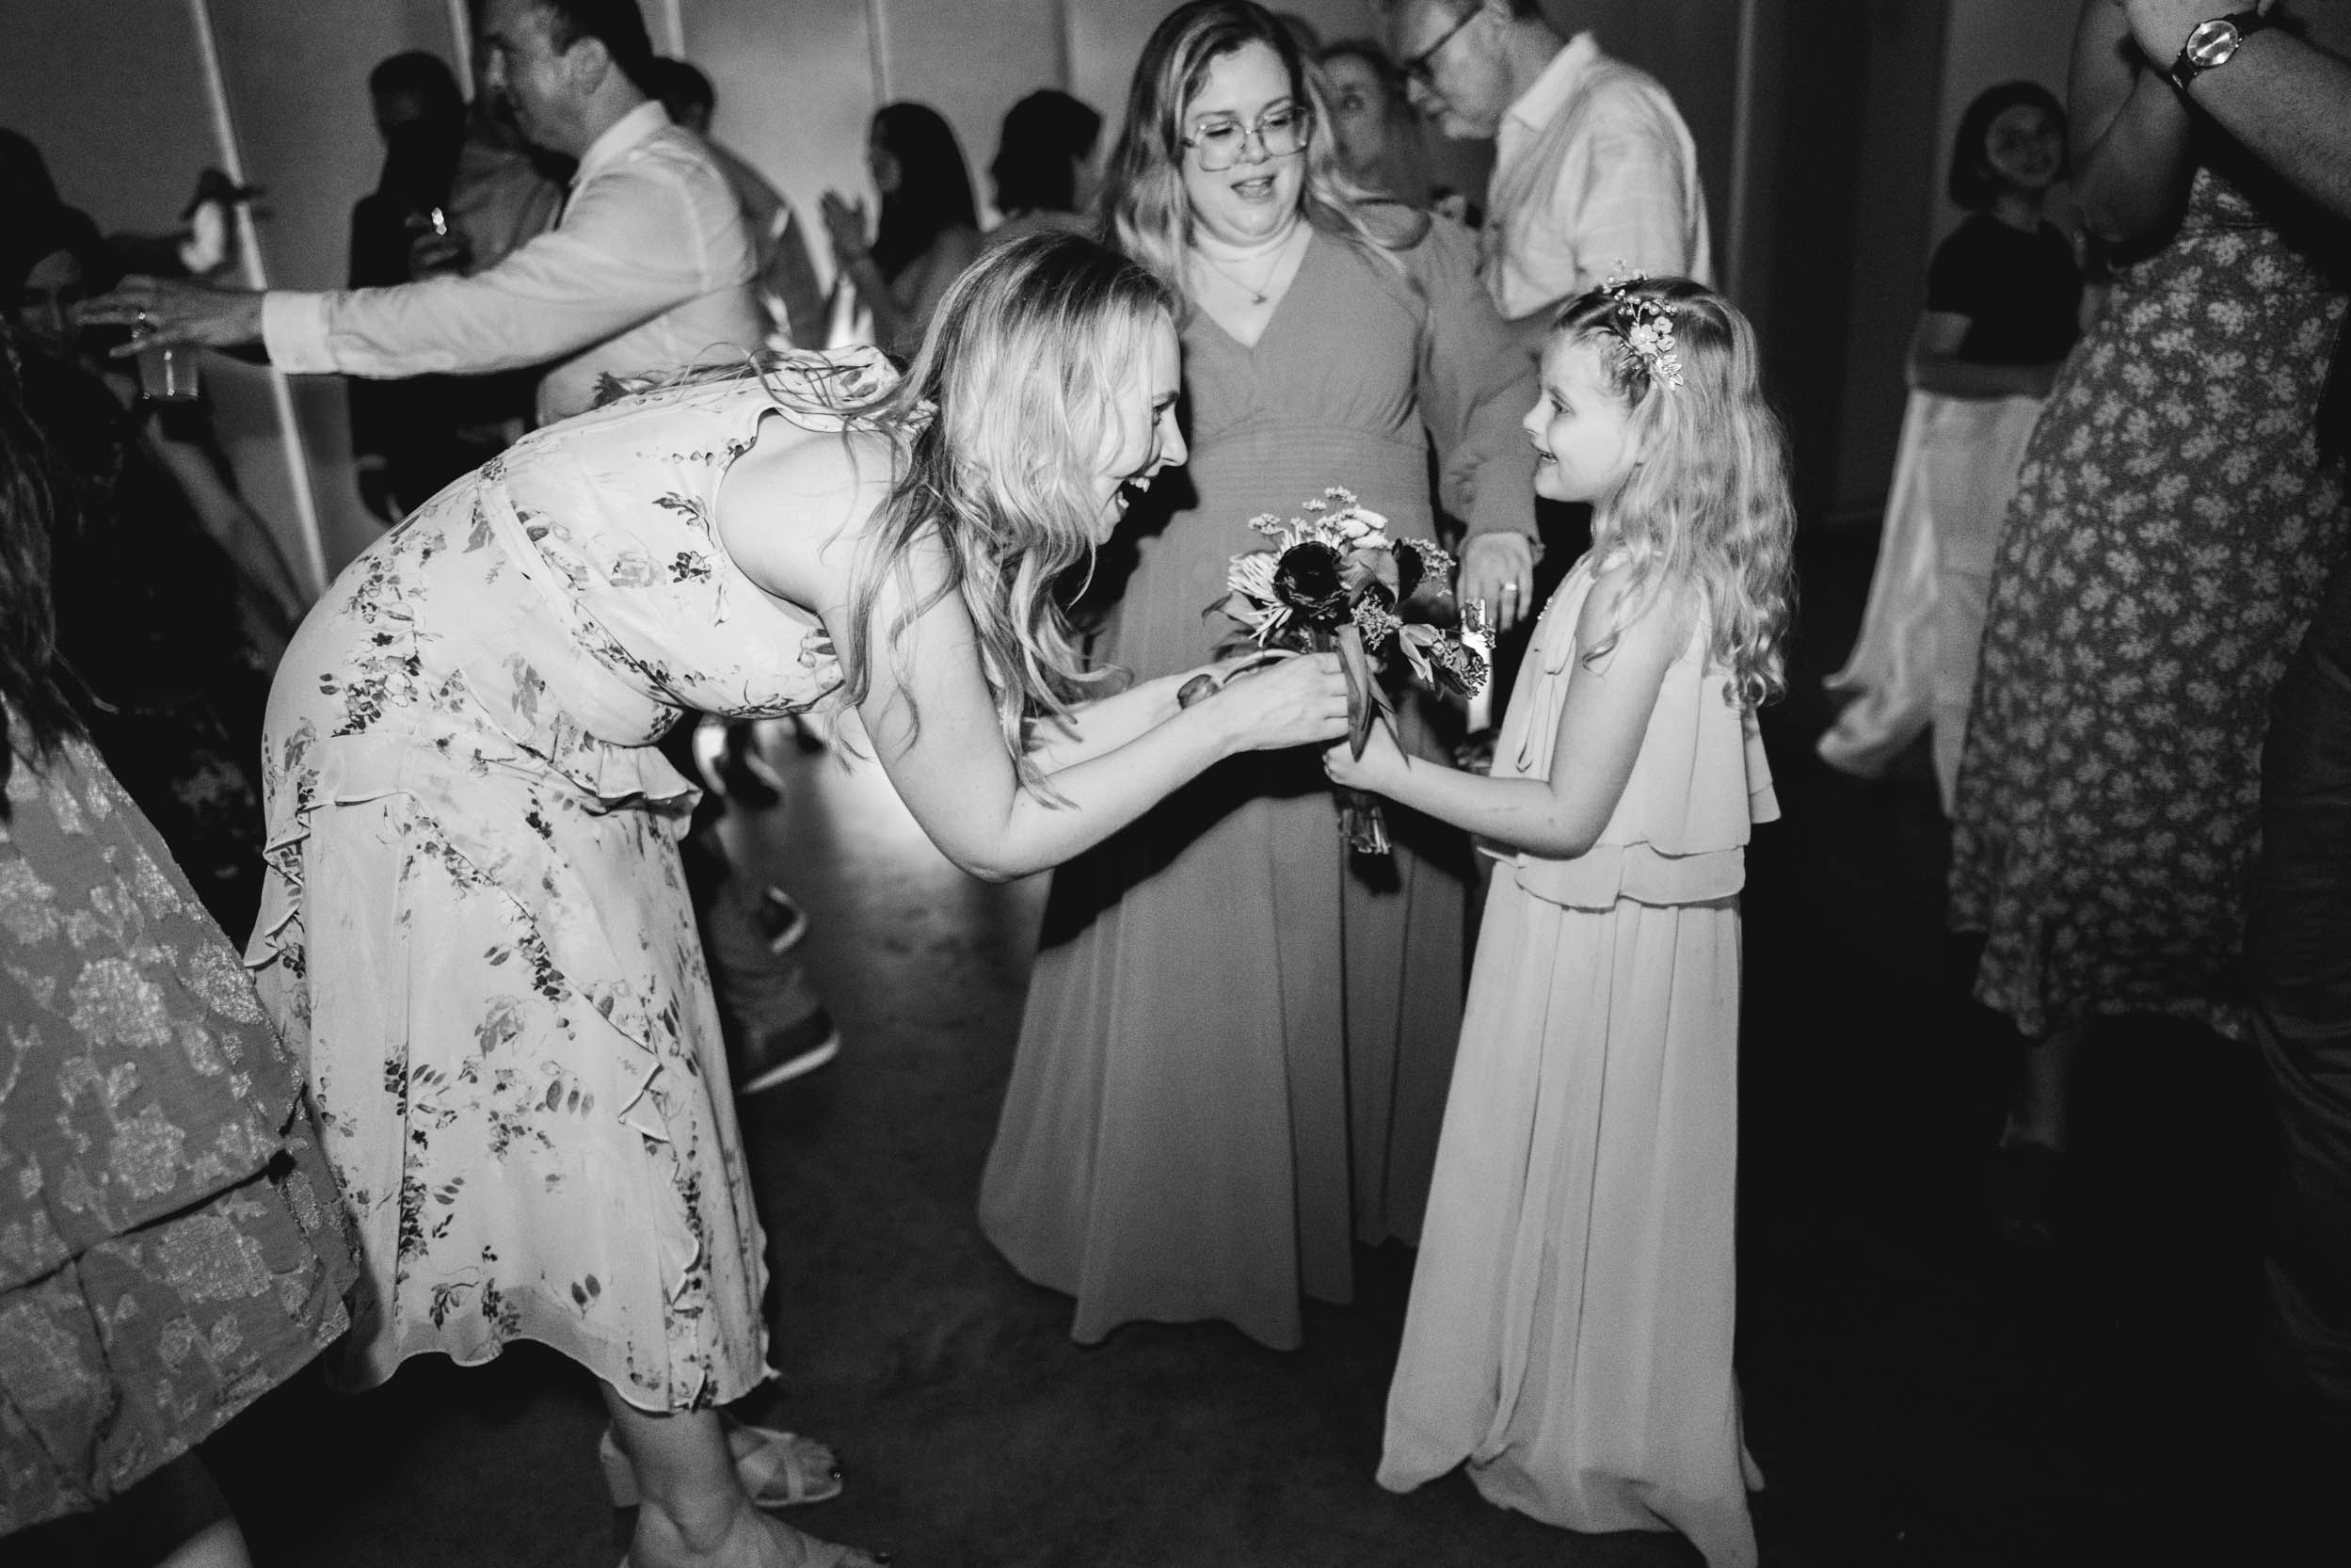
point(769, 1463)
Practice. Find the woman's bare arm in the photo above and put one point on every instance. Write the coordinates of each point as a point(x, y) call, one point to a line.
point(1936, 367)
point(2127, 130)
point(792, 514)
point(2286, 98)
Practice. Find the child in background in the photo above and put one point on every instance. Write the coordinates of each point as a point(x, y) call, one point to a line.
point(1571, 1322)
point(2004, 306)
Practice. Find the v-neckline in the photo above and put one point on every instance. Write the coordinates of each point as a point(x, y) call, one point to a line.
point(1273, 317)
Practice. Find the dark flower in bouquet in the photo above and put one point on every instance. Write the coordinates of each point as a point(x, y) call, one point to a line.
point(1335, 579)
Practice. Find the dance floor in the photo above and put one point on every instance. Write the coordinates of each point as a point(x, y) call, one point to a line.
point(1915, 1393)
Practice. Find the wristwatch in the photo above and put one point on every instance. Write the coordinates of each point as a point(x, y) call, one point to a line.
point(2213, 43)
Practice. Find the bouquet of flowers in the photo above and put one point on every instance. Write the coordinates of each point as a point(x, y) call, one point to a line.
point(1335, 579)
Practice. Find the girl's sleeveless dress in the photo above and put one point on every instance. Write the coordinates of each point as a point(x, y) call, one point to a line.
point(1232, 1062)
point(476, 926)
point(1570, 1328)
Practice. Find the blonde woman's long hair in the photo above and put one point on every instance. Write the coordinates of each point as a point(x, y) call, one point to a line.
point(1144, 211)
point(1709, 503)
point(1002, 420)
point(997, 430)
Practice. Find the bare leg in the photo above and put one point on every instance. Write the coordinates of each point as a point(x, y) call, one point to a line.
point(2024, 1172)
point(2039, 1117)
point(694, 1512)
point(219, 1545)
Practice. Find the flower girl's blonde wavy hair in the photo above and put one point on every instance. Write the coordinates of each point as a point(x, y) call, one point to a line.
point(997, 430)
point(1709, 503)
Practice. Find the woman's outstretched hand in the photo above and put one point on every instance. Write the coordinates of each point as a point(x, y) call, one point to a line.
point(1299, 700)
point(1381, 765)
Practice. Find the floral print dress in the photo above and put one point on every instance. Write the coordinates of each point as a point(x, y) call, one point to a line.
point(2172, 527)
point(171, 1246)
point(476, 921)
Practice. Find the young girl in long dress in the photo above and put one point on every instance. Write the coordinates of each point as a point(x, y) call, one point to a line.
point(1570, 1328)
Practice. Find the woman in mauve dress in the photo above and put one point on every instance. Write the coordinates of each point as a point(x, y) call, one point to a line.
point(1239, 1035)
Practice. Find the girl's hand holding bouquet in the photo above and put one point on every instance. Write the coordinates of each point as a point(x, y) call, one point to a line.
point(1375, 769)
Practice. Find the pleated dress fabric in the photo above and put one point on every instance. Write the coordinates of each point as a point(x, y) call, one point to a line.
point(1569, 1336)
point(1238, 1037)
point(476, 925)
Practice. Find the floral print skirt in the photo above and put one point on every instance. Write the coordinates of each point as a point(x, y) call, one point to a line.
point(526, 1156)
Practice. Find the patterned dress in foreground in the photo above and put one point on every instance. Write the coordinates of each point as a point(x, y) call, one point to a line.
point(171, 1246)
point(477, 922)
point(2172, 528)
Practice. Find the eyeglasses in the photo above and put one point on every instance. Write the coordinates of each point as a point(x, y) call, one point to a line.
point(1417, 69)
point(1281, 132)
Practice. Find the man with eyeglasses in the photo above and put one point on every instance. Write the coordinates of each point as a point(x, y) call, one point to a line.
point(1594, 172)
point(1593, 175)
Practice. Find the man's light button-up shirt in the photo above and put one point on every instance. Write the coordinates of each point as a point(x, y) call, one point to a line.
point(1594, 174)
point(648, 268)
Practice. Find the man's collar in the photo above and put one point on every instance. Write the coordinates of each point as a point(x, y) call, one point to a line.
point(620, 136)
point(1539, 103)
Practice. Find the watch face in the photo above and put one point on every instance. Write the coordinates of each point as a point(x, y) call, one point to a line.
point(2212, 42)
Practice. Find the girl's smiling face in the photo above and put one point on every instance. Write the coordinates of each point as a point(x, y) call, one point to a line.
point(1581, 427)
point(2025, 148)
point(1258, 197)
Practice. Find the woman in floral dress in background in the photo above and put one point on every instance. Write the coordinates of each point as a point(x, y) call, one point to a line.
point(2173, 525)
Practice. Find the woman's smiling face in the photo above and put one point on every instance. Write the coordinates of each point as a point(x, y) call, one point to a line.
point(1258, 196)
point(1140, 437)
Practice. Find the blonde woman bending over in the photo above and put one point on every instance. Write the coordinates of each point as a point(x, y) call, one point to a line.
point(477, 929)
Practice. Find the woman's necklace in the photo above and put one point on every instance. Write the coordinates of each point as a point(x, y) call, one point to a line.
point(1258, 292)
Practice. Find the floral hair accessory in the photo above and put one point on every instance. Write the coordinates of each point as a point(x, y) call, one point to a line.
point(1646, 324)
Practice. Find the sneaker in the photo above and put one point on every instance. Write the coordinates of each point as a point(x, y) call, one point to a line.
point(783, 1054)
point(781, 921)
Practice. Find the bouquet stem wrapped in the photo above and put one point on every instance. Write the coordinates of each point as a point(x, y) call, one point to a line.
point(1360, 821)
